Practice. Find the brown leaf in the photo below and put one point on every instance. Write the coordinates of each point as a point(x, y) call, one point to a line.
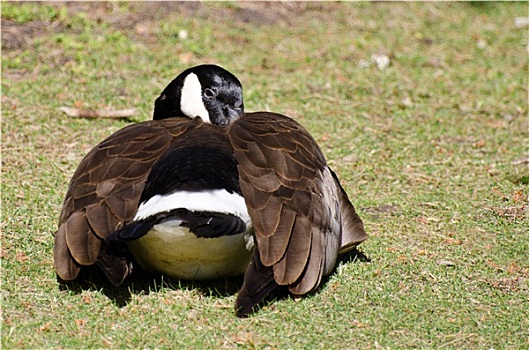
point(519, 197)
point(45, 327)
point(453, 241)
point(480, 144)
point(21, 257)
point(402, 258)
point(422, 220)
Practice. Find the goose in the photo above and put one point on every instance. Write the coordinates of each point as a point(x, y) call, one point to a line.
point(206, 191)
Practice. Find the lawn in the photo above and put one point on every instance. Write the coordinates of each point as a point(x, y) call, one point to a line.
point(431, 145)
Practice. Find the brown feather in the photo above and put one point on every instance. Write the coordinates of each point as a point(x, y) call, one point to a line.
point(65, 266)
point(82, 243)
point(255, 156)
point(101, 219)
point(255, 200)
point(267, 219)
point(265, 182)
point(274, 243)
point(258, 283)
point(290, 267)
point(312, 275)
point(114, 263)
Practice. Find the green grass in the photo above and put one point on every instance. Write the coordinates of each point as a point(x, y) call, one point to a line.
point(425, 148)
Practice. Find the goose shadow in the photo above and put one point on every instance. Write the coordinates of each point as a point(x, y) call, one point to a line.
point(91, 278)
point(142, 282)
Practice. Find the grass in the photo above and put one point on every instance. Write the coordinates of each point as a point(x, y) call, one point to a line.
point(426, 149)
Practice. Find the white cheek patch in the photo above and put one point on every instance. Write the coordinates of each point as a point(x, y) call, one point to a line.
point(191, 102)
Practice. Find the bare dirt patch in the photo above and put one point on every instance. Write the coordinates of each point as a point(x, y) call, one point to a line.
point(18, 36)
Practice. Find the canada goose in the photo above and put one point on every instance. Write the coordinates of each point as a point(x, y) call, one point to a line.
point(205, 191)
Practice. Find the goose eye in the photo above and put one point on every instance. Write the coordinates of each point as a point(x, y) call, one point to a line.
point(210, 93)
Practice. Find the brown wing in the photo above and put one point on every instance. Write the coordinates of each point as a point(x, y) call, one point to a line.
point(292, 199)
point(104, 193)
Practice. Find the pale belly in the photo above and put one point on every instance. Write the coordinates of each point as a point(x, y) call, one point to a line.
point(174, 251)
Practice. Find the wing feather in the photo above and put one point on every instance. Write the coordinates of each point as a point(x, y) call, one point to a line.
point(82, 243)
point(273, 245)
point(64, 264)
point(314, 269)
point(292, 265)
point(101, 219)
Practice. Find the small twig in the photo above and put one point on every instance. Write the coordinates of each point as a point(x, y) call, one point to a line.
point(431, 162)
point(520, 161)
point(92, 113)
point(460, 337)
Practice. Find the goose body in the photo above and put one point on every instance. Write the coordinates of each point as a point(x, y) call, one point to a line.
point(192, 221)
point(205, 191)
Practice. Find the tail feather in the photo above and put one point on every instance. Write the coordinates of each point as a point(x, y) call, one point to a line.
point(258, 284)
point(115, 261)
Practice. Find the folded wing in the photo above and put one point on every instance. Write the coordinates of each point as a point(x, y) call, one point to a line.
point(104, 194)
point(294, 202)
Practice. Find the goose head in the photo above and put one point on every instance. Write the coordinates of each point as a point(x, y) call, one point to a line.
point(206, 91)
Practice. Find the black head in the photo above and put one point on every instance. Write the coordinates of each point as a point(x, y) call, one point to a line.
point(207, 91)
